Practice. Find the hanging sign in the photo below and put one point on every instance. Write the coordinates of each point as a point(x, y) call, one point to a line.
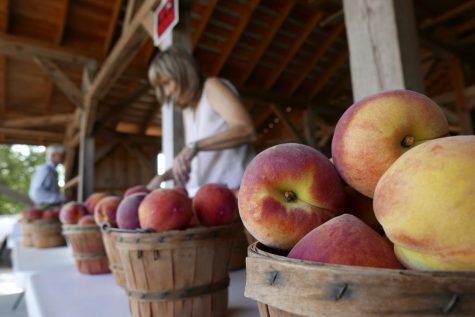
point(165, 18)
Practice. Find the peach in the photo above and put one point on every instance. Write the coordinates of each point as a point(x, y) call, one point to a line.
point(106, 211)
point(286, 191)
point(51, 214)
point(71, 212)
point(32, 214)
point(215, 205)
point(87, 220)
point(127, 215)
point(425, 203)
point(361, 207)
point(136, 189)
point(165, 209)
point(376, 130)
point(346, 240)
point(92, 201)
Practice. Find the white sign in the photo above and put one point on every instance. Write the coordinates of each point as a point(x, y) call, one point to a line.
point(164, 20)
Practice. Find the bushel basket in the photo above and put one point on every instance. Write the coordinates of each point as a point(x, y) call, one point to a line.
point(177, 273)
point(110, 243)
point(286, 287)
point(88, 248)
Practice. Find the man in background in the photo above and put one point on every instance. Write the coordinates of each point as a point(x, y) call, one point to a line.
point(44, 188)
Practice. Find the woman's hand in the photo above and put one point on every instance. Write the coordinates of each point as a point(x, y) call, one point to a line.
point(155, 182)
point(182, 165)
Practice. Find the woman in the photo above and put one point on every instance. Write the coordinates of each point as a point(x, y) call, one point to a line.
point(218, 129)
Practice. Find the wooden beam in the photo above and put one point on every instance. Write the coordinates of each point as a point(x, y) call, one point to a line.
point(105, 149)
point(147, 24)
point(4, 15)
point(123, 52)
point(39, 121)
point(246, 14)
point(132, 6)
point(284, 117)
point(263, 45)
point(53, 136)
point(62, 16)
point(111, 27)
point(446, 15)
point(73, 182)
point(383, 45)
point(332, 68)
point(316, 56)
point(198, 31)
point(62, 81)
point(15, 196)
point(86, 160)
point(23, 48)
point(300, 39)
point(458, 82)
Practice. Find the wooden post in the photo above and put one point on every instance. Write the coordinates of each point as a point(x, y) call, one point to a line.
point(86, 161)
point(173, 138)
point(383, 44)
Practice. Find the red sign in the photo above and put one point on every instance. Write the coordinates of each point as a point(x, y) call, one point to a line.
point(165, 18)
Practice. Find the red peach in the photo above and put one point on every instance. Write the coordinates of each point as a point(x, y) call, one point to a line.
point(361, 207)
point(181, 189)
point(106, 211)
point(71, 212)
point(378, 129)
point(346, 240)
point(165, 209)
point(136, 189)
point(127, 212)
point(92, 201)
point(215, 205)
point(286, 191)
point(86, 220)
point(32, 214)
point(51, 214)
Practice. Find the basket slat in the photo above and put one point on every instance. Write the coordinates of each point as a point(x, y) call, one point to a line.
point(310, 289)
point(177, 273)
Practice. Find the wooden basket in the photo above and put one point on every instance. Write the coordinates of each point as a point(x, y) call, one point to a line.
point(177, 273)
point(286, 287)
point(109, 238)
point(88, 248)
point(47, 234)
point(26, 233)
point(239, 249)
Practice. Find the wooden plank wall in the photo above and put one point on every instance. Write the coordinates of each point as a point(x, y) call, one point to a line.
point(120, 169)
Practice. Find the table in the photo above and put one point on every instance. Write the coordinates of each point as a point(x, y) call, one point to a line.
point(63, 291)
point(26, 261)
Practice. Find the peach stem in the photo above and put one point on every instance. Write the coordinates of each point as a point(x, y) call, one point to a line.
point(290, 196)
point(407, 141)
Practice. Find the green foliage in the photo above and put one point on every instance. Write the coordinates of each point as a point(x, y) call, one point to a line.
point(16, 171)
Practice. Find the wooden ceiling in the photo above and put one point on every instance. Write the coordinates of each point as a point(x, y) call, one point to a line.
point(287, 58)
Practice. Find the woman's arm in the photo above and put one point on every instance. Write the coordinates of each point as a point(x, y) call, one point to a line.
point(158, 179)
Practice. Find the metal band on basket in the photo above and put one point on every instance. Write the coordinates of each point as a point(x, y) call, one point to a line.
point(179, 293)
point(89, 256)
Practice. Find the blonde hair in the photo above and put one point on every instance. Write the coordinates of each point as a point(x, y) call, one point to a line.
point(178, 65)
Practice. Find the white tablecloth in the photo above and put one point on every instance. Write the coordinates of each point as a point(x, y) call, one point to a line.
point(26, 261)
point(63, 291)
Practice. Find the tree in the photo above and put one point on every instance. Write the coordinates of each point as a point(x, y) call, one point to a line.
point(16, 170)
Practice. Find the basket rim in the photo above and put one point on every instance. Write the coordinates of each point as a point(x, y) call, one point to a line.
point(256, 249)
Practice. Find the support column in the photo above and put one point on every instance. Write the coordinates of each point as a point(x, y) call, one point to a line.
point(383, 44)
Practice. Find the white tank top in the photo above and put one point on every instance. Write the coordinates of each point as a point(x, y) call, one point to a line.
point(221, 166)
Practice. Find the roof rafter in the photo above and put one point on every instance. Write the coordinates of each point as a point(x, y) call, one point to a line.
point(322, 80)
point(300, 39)
point(246, 14)
point(316, 56)
point(272, 31)
point(203, 22)
point(112, 24)
point(131, 40)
